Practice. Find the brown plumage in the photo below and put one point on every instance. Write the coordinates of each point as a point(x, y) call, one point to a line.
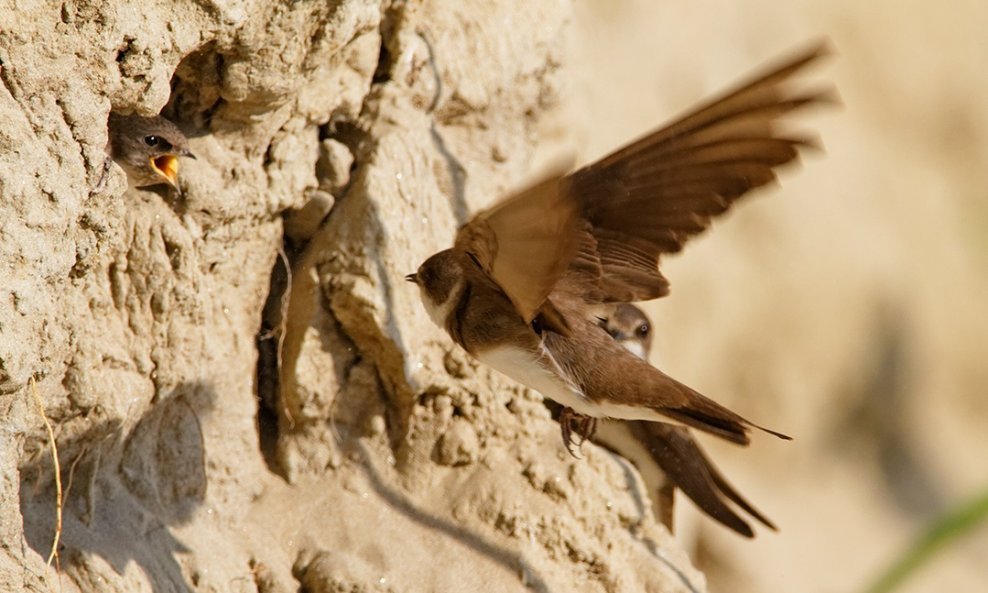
point(688, 468)
point(605, 371)
point(521, 285)
point(651, 197)
point(676, 459)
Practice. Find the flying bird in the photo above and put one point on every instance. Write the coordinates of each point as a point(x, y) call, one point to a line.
point(667, 456)
point(522, 287)
point(147, 148)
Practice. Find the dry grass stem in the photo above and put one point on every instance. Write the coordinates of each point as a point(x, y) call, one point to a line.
point(286, 299)
point(53, 555)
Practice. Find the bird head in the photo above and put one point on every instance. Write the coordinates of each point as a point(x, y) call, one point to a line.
point(628, 325)
point(147, 148)
point(440, 280)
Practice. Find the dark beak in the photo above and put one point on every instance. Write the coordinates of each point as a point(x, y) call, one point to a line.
point(412, 278)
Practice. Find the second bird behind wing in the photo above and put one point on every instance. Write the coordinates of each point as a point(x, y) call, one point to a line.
point(667, 456)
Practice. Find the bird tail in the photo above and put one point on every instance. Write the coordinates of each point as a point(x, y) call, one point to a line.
point(713, 422)
point(684, 462)
point(702, 413)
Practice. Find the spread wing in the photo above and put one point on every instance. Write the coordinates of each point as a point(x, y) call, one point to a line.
point(599, 232)
point(650, 197)
point(525, 243)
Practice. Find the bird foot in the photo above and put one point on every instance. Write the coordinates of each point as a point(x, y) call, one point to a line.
point(571, 423)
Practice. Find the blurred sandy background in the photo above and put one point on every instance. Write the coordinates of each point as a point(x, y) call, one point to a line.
point(846, 309)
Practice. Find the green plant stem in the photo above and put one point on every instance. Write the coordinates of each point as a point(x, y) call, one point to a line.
point(943, 531)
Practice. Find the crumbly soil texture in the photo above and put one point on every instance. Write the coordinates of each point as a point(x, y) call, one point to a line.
point(244, 393)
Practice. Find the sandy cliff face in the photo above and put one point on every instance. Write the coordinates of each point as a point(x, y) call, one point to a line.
point(347, 139)
point(225, 425)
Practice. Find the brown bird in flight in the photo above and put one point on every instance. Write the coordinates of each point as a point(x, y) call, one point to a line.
point(147, 148)
point(667, 456)
point(522, 287)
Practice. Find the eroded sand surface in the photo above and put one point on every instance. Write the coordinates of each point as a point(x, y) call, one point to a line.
point(844, 310)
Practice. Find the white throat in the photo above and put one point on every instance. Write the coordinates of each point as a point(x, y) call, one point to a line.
point(635, 347)
point(439, 312)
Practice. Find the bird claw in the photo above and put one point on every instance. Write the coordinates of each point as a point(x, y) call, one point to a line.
point(571, 423)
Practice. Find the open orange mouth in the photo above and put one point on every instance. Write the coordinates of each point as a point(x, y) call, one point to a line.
point(166, 165)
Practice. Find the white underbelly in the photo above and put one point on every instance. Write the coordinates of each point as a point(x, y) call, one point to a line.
point(609, 409)
point(533, 371)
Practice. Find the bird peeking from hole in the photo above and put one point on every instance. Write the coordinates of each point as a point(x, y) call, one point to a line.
point(147, 148)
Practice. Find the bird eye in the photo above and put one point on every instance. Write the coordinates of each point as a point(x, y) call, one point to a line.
point(643, 330)
point(537, 325)
point(151, 140)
